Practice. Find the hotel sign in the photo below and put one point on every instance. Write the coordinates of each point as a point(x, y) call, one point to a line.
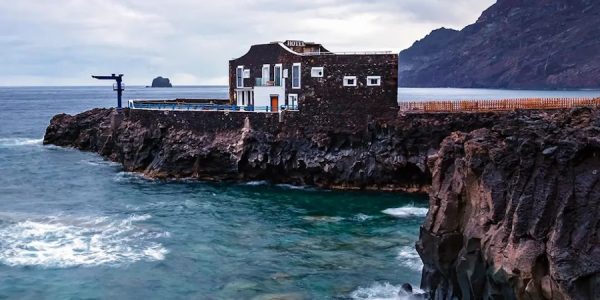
point(295, 43)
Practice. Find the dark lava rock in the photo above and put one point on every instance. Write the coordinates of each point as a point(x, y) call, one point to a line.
point(522, 44)
point(379, 155)
point(515, 211)
point(160, 82)
point(514, 196)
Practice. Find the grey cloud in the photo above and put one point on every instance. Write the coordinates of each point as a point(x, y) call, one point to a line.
point(64, 40)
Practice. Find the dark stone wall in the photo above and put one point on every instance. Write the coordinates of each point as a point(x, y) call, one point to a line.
point(327, 95)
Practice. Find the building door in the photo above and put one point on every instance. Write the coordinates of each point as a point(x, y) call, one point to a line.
point(274, 103)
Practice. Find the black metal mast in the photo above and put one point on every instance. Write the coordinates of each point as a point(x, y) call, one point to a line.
point(118, 87)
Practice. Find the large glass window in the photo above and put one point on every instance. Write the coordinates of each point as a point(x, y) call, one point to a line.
point(266, 75)
point(277, 75)
point(239, 75)
point(296, 81)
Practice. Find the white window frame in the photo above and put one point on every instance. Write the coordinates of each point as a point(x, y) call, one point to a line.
point(378, 78)
point(266, 69)
point(280, 66)
point(239, 74)
point(299, 86)
point(317, 72)
point(346, 78)
point(290, 102)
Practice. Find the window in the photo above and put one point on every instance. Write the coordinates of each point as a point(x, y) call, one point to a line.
point(239, 73)
point(277, 72)
point(373, 80)
point(296, 81)
point(292, 103)
point(266, 74)
point(316, 72)
point(350, 81)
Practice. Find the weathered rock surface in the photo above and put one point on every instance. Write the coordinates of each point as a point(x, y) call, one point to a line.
point(160, 82)
point(515, 211)
point(383, 155)
point(522, 44)
point(514, 197)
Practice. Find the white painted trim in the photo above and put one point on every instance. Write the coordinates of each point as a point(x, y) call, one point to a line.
point(317, 72)
point(268, 68)
point(347, 78)
point(280, 66)
point(237, 83)
point(299, 86)
point(290, 102)
point(369, 78)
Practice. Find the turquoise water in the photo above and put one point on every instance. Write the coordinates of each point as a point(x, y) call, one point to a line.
point(73, 226)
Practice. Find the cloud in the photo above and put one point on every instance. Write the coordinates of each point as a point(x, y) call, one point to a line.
point(64, 41)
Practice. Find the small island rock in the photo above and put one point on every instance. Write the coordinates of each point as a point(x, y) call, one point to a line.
point(160, 82)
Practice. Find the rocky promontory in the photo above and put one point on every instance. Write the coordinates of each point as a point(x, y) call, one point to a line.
point(514, 196)
point(239, 146)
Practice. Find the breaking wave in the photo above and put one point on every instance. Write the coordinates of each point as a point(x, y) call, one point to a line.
point(59, 242)
point(16, 142)
point(406, 211)
point(381, 291)
point(409, 258)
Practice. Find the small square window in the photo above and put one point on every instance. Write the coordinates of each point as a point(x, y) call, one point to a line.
point(350, 81)
point(316, 72)
point(373, 80)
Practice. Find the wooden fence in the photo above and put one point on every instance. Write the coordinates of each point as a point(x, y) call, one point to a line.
point(497, 105)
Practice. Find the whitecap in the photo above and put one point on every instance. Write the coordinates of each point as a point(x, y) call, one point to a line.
point(362, 217)
point(406, 211)
point(256, 183)
point(409, 257)
point(291, 186)
point(381, 291)
point(131, 177)
point(325, 219)
point(61, 242)
point(16, 142)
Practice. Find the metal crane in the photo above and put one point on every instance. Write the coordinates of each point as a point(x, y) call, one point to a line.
point(116, 87)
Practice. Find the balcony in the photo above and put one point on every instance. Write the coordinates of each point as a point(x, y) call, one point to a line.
point(261, 82)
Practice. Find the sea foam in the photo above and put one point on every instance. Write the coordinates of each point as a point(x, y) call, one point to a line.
point(59, 242)
point(409, 257)
point(381, 291)
point(406, 211)
point(16, 142)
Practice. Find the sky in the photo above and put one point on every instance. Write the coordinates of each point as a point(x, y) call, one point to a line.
point(63, 42)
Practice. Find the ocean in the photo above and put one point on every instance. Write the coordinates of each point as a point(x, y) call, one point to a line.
point(74, 226)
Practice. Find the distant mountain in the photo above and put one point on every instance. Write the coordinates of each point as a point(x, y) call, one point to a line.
point(520, 44)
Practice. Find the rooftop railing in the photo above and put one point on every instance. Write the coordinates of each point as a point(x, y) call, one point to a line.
point(347, 53)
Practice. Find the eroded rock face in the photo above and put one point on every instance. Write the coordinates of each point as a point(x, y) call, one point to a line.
point(355, 154)
point(523, 44)
point(515, 211)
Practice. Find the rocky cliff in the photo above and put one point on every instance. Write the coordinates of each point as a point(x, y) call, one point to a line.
point(520, 44)
point(514, 196)
point(515, 211)
point(383, 155)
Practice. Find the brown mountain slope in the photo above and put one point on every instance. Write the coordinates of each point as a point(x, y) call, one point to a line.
point(522, 44)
